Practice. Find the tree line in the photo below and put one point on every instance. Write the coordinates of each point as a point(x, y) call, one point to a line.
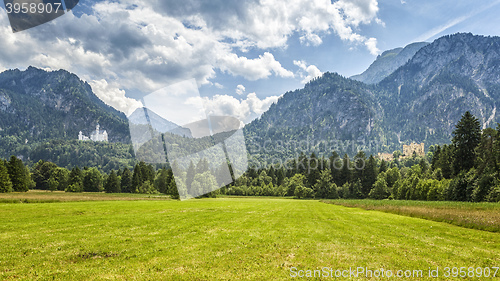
point(466, 170)
point(44, 175)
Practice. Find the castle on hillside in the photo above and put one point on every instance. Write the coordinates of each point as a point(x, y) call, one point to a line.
point(417, 148)
point(97, 135)
point(408, 150)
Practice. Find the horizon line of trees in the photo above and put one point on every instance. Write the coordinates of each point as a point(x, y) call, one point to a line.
point(466, 170)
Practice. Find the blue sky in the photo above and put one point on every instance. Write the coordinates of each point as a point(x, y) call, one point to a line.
point(243, 54)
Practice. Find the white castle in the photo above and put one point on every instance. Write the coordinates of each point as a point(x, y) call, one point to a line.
point(95, 136)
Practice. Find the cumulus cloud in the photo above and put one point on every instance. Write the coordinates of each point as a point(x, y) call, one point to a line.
point(371, 44)
point(269, 23)
point(147, 45)
point(311, 71)
point(311, 39)
point(253, 69)
point(113, 96)
point(246, 110)
point(240, 90)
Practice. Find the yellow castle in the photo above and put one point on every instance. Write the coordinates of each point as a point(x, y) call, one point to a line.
point(418, 148)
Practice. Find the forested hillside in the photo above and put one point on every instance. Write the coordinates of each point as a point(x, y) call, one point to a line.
point(36, 106)
point(420, 102)
point(465, 170)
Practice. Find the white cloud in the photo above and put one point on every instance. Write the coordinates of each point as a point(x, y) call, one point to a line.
point(142, 46)
point(218, 86)
point(358, 11)
point(269, 23)
point(253, 69)
point(371, 44)
point(259, 106)
point(311, 39)
point(246, 110)
point(312, 71)
point(240, 90)
point(113, 96)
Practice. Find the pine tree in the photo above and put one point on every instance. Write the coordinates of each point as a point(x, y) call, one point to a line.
point(137, 179)
point(445, 161)
point(19, 174)
point(112, 184)
point(5, 183)
point(272, 174)
point(313, 170)
point(466, 137)
point(345, 172)
point(335, 167)
point(435, 158)
point(360, 166)
point(126, 181)
point(383, 166)
point(371, 173)
point(486, 154)
point(171, 186)
point(161, 181)
point(280, 177)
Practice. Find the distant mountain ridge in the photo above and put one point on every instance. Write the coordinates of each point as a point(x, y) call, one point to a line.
point(421, 101)
point(158, 123)
point(388, 62)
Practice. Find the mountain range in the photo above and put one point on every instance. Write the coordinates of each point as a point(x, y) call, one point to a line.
point(420, 101)
point(411, 94)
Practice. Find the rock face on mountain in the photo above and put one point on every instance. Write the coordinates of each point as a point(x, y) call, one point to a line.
point(36, 105)
point(421, 101)
point(388, 62)
point(426, 97)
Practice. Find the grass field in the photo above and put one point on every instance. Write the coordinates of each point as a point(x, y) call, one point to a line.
point(225, 239)
point(40, 196)
point(484, 216)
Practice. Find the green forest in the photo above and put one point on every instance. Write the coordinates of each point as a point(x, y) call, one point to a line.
point(465, 170)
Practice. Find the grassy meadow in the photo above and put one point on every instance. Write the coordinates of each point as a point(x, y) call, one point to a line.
point(484, 216)
point(224, 239)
